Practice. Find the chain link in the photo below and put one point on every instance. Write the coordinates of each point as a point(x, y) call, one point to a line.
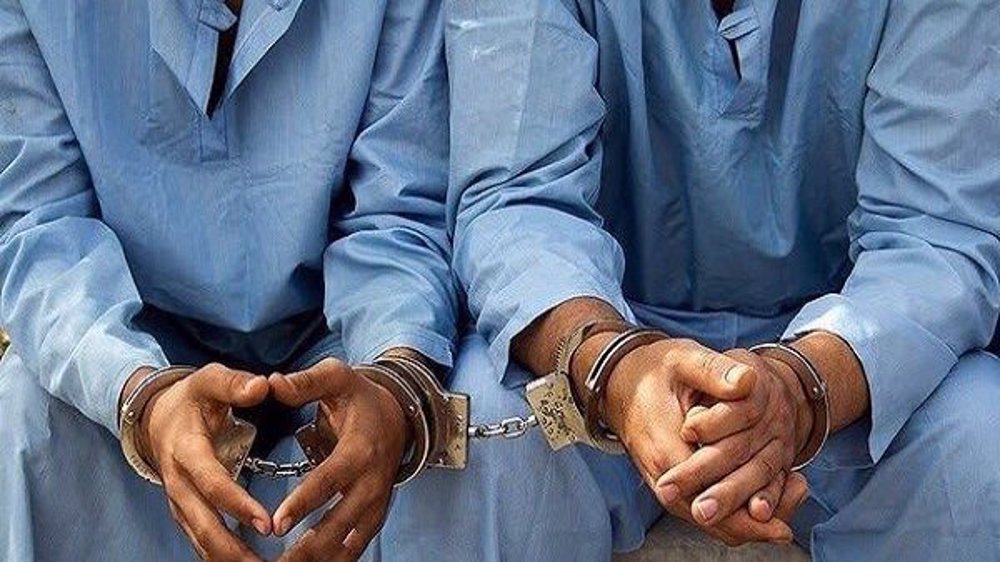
point(510, 428)
point(275, 470)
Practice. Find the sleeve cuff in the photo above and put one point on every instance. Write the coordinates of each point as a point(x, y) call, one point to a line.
point(431, 345)
point(903, 364)
point(101, 403)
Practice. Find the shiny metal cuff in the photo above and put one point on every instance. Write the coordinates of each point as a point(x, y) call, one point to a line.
point(131, 413)
point(816, 393)
point(600, 374)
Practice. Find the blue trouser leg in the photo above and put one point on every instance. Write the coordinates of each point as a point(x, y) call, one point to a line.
point(934, 496)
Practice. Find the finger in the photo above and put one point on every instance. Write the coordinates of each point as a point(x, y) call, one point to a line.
point(204, 526)
point(737, 529)
point(707, 466)
point(715, 374)
point(656, 454)
point(364, 531)
point(735, 490)
point(196, 458)
point(326, 378)
point(329, 534)
point(333, 475)
point(796, 492)
point(228, 386)
point(710, 425)
point(764, 502)
point(741, 528)
point(178, 517)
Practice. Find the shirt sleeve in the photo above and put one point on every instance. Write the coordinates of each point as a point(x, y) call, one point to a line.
point(526, 166)
point(388, 275)
point(67, 298)
point(924, 287)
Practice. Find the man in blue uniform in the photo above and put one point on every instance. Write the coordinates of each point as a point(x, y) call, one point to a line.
point(244, 187)
point(820, 173)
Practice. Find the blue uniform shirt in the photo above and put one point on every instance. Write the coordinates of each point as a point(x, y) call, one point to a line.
point(841, 174)
point(317, 186)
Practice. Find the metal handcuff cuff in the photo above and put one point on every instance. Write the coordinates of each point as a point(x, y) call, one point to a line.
point(440, 419)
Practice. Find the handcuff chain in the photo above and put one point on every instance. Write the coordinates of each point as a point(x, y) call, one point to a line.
point(276, 470)
point(510, 428)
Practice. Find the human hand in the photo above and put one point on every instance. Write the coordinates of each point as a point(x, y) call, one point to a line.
point(648, 398)
point(176, 435)
point(748, 446)
point(372, 434)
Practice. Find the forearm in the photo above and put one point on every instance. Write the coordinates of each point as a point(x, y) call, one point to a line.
point(535, 348)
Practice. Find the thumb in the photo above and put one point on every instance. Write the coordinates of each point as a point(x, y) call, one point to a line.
point(229, 386)
point(327, 378)
point(718, 375)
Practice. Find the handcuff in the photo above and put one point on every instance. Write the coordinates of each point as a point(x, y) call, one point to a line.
point(440, 419)
point(816, 393)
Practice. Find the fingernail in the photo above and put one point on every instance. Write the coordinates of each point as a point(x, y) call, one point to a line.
point(707, 508)
point(669, 493)
point(765, 506)
point(284, 526)
point(734, 375)
point(260, 525)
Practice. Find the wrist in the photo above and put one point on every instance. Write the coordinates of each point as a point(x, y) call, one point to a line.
point(805, 416)
point(405, 423)
point(838, 365)
point(131, 383)
point(585, 358)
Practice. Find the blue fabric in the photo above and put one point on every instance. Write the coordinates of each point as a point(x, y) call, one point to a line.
point(843, 178)
point(516, 501)
point(318, 186)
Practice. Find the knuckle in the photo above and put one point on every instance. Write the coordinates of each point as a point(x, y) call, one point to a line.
point(659, 463)
point(769, 468)
point(743, 450)
point(213, 489)
point(201, 535)
point(366, 453)
point(705, 360)
point(678, 349)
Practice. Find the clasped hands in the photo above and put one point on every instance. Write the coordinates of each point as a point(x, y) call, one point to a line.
point(715, 435)
point(180, 423)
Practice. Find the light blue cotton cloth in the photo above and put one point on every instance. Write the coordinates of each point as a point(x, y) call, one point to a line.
point(316, 187)
point(304, 218)
point(796, 166)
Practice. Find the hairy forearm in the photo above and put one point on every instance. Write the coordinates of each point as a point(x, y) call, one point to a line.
point(535, 348)
point(847, 387)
